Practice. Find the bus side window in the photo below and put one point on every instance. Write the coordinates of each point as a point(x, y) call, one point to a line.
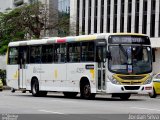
point(47, 54)
point(87, 51)
point(13, 55)
point(74, 52)
point(60, 53)
point(35, 54)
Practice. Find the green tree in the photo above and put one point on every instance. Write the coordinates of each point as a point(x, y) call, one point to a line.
point(20, 24)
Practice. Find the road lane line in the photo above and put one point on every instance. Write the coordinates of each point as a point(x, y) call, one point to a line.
point(46, 111)
point(146, 108)
point(64, 101)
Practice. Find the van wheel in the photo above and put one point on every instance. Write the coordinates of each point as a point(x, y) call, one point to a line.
point(125, 96)
point(70, 94)
point(153, 94)
point(35, 88)
point(86, 91)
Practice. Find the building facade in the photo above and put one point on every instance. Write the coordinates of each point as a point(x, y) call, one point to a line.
point(5, 4)
point(114, 16)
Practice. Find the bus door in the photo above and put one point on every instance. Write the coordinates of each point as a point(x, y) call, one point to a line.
point(101, 60)
point(22, 66)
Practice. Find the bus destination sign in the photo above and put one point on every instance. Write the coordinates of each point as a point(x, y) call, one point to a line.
point(129, 40)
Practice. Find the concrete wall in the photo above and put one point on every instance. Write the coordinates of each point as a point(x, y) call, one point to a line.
point(3, 62)
point(156, 64)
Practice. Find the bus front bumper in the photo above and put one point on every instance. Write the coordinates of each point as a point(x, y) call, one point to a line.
point(135, 89)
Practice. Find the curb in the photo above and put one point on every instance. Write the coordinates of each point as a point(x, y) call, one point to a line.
point(6, 88)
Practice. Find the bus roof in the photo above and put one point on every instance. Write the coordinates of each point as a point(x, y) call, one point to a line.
point(68, 39)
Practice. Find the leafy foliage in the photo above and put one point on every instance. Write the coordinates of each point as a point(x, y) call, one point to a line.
point(28, 22)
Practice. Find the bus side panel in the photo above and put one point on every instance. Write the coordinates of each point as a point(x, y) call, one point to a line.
point(54, 76)
point(75, 71)
point(12, 76)
point(33, 70)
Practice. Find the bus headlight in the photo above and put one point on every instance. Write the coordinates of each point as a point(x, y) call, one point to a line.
point(113, 80)
point(148, 81)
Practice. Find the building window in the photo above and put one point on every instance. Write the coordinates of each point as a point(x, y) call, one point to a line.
point(137, 16)
point(122, 17)
point(63, 15)
point(89, 17)
point(102, 16)
point(108, 15)
point(129, 15)
point(129, 24)
point(33, 1)
point(144, 23)
point(95, 16)
point(152, 25)
point(159, 21)
point(77, 28)
point(115, 17)
point(83, 17)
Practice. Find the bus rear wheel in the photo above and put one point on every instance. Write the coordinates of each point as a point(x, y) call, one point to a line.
point(35, 88)
point(70, 94)
point(86, 92)
point(125, 96)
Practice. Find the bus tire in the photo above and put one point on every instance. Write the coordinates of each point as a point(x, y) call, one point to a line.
point(153, 94)
point(70, 94)
point(35, 87)
point(125, 96)
point(13, 90)
point(86, 91)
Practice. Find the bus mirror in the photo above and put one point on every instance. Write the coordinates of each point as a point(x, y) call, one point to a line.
point(108, 55)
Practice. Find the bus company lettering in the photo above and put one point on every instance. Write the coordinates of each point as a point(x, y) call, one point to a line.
point(80, 70)
point(38, 70)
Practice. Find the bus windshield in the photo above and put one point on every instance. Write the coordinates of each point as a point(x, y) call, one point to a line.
point(130, 59)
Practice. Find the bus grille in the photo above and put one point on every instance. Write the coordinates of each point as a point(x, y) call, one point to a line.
point(131, 77)
point(131, 87)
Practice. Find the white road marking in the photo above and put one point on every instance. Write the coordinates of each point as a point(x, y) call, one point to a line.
point(64, 101)
point(46, 111)
point(146, 108)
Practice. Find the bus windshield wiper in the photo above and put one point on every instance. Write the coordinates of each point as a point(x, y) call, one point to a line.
point(123, 51)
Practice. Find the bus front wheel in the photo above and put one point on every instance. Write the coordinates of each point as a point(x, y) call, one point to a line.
point(86, 92)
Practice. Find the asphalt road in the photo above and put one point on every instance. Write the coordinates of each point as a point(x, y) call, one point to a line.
point(57, 104)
